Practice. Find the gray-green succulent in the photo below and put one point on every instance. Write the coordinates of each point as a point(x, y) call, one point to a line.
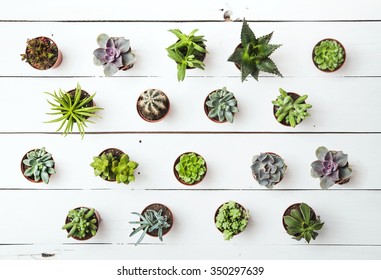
point(153, 104)
point(222, 105)
point(329, 55)
point(82, 223)
point(291, 111)
point(40, 165)
point(268, 169)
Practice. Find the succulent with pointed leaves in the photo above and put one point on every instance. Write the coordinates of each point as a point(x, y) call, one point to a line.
point(124, 169)
point(153, 105)
point(39, 165)
point(102, 166)
point(221, 105)
point(331, 167)
point(268, 169)
point(81, 223)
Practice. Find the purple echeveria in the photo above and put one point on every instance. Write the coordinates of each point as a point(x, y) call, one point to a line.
point(331, 167)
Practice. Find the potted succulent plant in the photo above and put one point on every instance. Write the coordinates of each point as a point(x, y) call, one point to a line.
point(188, 52)
point(268, 169)
point(220, 106)
point(114, 165)
point(190, 168)
point(252, 54)
point(301, 222)
point(290, 108)
point(114, 53)
point(231, 218)
point(155, 220)
point(82, 223)
point(153, 105)
point(331, 168)
point(328, 55)
point(74, 107)
point(37, 165)
point(42, 53)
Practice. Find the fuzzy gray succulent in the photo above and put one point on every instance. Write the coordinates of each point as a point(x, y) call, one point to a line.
point(268, 169)
point(331, 167)
point(113, 53)
point(153, 103)
point(40, 165)
point(222, 105)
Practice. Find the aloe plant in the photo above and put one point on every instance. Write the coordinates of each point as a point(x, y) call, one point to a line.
point(40, 165)
point(191, 168)
point(82, 223)
point(329, 55)
point(252, 55)
point(222, 105)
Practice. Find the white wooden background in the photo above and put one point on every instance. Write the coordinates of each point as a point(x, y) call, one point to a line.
point(345, 116)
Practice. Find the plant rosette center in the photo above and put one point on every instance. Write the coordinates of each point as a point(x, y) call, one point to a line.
point(328, 55)
point(190, 168)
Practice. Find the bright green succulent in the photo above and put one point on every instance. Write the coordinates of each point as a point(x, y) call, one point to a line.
point(73, 109)
point(40, 165)
point(301, 223)
point(222, 105)
point(289, 110)
point(252, 55)
point(82, 222)
point(124, 169)
point(191, 168)
point(102, 166)
point(329, 55)
point(231, 219)
point(187, 52)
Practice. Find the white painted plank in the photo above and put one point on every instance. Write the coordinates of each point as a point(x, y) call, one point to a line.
point(78, 41)
point(228, 159)
point(339, 105)
point(198, 10)
point(37, 217)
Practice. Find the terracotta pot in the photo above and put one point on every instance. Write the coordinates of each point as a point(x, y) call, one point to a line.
point(152, 119)
point(116, 153)
point(96, 216)
point(24, 167)
point(295, 206)
point(294, 96)
point(207, 110)
point(218, 209)
point(313, 55)
point(177, 174)
point(165, 212)
point(56, 63)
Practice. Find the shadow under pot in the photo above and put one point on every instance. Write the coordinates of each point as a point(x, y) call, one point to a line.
point(294, 97)
point(228, 222)
point(116, 153)
point(153, 105)
point(220, 106)
point(42, 53)
point(166, 212)
point(190, 168)
point(37, 166)
point(328, 55)
point(268, 169)
point(82, 223)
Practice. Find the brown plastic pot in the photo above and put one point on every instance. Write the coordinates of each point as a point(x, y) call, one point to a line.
point(218, 209)
point(116, 153)
point(326, 70)
point(96, 216)
point(165, 212)
point(177, 174)
point(294, 96)
point(207, 110)
point(295, 206)
point(55, 64)
point(152, 118)
point(24, 167)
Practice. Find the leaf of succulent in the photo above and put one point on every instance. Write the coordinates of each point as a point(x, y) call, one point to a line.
point(102, 166)
point(253, 54)
point(40, 165)
point(150, 220)
point(72, 109)
point(329, 55)
point(268, 169)
point(41, 52)
point(331, 167)
point(231, 219)
point(113, 53)
point(222, 104)
point(124, 169)
point(191, 168)
point(302, 224)
point(82, 223)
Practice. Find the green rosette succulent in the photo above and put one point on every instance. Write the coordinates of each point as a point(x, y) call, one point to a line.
point(191, 168)
point(222, 105)
point(40, 165)
point(329, 55)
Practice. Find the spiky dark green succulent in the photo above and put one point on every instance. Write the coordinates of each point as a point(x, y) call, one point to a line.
point(150, 220)
point(187, 52)
point(41, 53)
point(268, 169)
point(191, 168)
point(102, 166)
point(329, 55)
point(222, 105)
point(40, 165)
point(82, 222)
point(153, 104)
point(331, 167)
point(252, 55)
point(289, 110)
point(231, 219)
point(302, 224)
point(113, 54)
point(124, 169)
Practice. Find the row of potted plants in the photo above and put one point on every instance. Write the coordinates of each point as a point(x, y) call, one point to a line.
point(251, 56)
point(231, 218)
point(268, 169)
